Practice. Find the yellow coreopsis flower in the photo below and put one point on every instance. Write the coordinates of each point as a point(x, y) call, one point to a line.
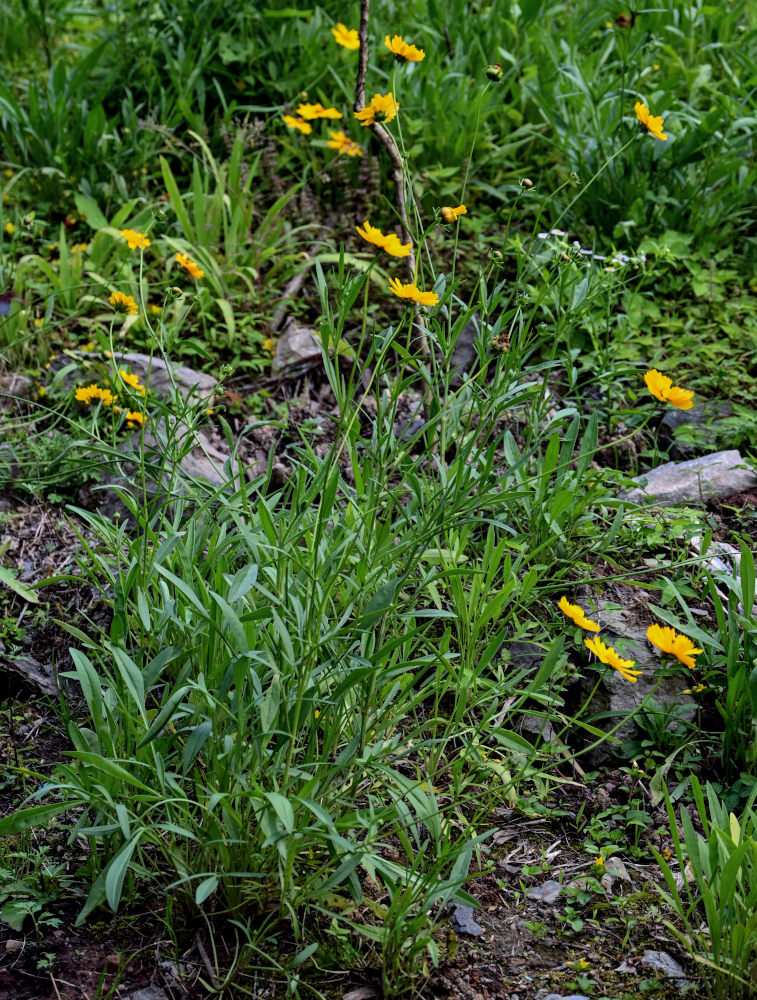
point(663, 389)
point(576, 614)
point(611, 657)
point(412, 293)
point(667, 640)
point(123, 303)
point(9, 228)
point(291, 122)
point(136, 241)
point(190, 266)
point(91, 393)
point(134, 418)
point(348, 38)
point(383, 108)
point(390, 243)
point(312, 111)
point(402, 51)
point(132, 381)
point(652, 123)
point(452, 214)
point(343, 144)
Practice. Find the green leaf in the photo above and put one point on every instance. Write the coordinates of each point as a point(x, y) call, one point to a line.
point(25, 819)
point(747, 579)
point(206, 888)
point(116, 872)
point(8, 577)
point(380, 603)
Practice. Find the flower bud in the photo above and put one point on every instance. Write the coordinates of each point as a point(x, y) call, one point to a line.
point(526, 183)
point(495, 72)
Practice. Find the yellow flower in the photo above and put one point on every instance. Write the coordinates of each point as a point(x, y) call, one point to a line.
point(667, 640)
point(156, 310)
point(312, 111)
point(610, 656)
point(652, 124)
point(697, 689)
point(390, 243)
point(451, 214)
point(132, 381)
point(346, 37)
point(134, 418)
point(381, 109)
point(599, 862)
point(190, 266)
point(291, 122)
point(403, 51)
point(89, 393)
point(413, 293)
point(268, 345)
point(343, 144)
point(663, 389)
point(136, 241)
point(81, 247)
point(9, 228)
point(123, 303)
point(89, 346)
point(576, 615)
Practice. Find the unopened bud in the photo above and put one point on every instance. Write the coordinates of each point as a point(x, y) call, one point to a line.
point(526, 183)
point(495, 72)
point(175, 292)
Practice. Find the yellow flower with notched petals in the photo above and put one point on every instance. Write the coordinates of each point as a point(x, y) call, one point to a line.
point(390, 243)
point(348, 38)
point(452, 214)
point(402, 51)
point(132, 381)
point(412, 293)
point(576, 614)
point(652, 123)
point(136, 241)
point(343, 144)
point(134, 418)
point(663, 389)
point(667, 640)
point(611, 657)
point(123, 303)
point(190, 266)
point(91, 393)
point(291, 122)
point(312, 111)
point(382, 109)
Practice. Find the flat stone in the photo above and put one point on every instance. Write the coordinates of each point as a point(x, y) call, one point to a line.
point(297, 345)
point(548, 892)
point(148, 993)
point(684, 432)
point(700, 479)
point(462, 921)
point(155, 373)
point(660, 961)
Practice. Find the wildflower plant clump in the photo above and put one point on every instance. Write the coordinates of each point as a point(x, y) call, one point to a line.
point(307, 704)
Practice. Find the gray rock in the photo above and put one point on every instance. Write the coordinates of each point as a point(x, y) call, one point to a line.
point(615, 696)
point(158, 375)
point(548, 892)
point(462, 921)
point(148, 993)
point(696, 481)
point(661, 962)
point(297, 345)
point(684, 432)
point(196, 462)
point(559, 996)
